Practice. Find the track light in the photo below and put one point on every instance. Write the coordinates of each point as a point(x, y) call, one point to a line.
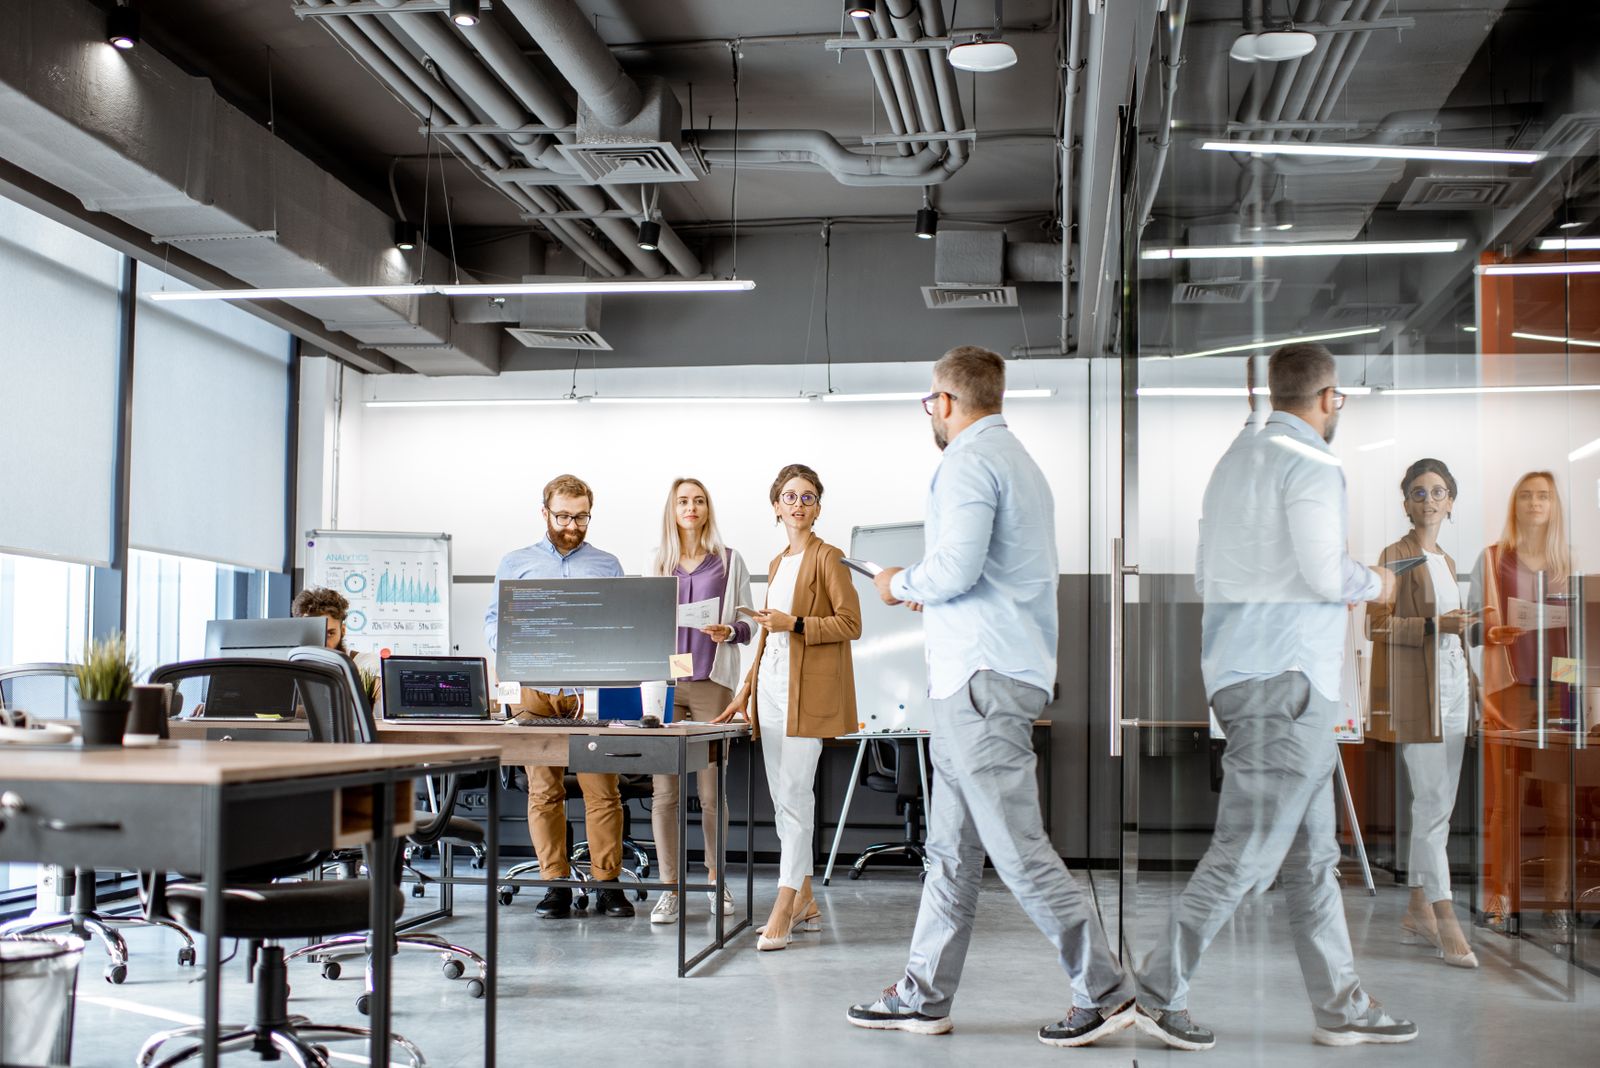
point(405, 235)
point(855, 10)
point(122, 27)
point(1274, 46)
point(986, 52)
point(649, 235)
point(464, 12)
point(927, 223)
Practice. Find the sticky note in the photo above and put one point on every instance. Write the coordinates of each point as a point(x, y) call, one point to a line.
point(1563, 669)
point(680, 665)
point(508, 692)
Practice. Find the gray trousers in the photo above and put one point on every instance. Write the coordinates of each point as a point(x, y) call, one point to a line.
point(1276, 812)
point(987, 799)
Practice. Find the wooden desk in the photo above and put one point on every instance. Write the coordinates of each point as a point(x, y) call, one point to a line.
point(208, 807)
point(674, 749)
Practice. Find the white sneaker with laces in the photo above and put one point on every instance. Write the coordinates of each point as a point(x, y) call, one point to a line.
point(727, 901)
point(666, 910)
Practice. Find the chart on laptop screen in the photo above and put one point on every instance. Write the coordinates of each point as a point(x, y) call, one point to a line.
point(586, 632)
point(435, 689)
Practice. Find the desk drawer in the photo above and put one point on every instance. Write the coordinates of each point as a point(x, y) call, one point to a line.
point(630, 754)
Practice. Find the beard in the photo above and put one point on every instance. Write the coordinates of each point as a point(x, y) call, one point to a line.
point(1333, 425)
point(941, 436)
point(565, 540)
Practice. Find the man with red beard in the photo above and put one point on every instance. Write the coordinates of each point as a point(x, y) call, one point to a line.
point(563, 553)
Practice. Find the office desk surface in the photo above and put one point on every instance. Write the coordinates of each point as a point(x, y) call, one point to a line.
point(545, 746)
point(194, 763)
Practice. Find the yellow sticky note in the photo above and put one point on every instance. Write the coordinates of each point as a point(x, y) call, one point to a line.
point(1563, 669)
point(680, 665)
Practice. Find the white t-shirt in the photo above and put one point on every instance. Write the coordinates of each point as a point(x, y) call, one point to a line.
point(1452, 662)
point(780, 595)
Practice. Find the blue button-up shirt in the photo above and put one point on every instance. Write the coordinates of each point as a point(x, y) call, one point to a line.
point(1272, 565)
point(988, 574)
point(541, 560)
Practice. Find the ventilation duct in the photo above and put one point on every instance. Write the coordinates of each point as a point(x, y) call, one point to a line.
point(570, 321)
point(639, 151)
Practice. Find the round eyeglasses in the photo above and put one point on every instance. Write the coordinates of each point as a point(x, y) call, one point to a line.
point(791, 497)
point(1421, 495)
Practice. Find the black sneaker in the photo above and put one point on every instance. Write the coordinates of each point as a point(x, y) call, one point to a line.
point(1083, 1026)
point(1375, 1026)
point(556, 905)
point(889, 1013)
point(613, 903)
point(1176, 1028)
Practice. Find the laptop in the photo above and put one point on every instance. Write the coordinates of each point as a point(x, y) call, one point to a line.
point(440, 689)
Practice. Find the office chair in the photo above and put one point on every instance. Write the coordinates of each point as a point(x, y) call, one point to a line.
point(264, 912)
point(443, 826)
point(52, 696)
point(903, 781)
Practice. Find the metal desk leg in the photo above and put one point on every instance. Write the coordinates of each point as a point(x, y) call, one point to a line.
point(491, 904)
point(1355, 824)
point(211, 997)
point(381, 866)
point(683, 854)
point(922, 764)
point(849, 794)
point(720, 822)
point(750, 833)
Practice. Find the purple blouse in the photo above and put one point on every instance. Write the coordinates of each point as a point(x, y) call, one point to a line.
point(708, 580)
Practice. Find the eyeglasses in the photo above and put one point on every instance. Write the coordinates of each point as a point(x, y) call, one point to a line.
point(1438, 493)
point(1338, 398)
point(807, 499)
point(927, 402)
point(567, 519)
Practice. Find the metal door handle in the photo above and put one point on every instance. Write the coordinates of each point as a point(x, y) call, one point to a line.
point(1120, 570)
point(72, 828)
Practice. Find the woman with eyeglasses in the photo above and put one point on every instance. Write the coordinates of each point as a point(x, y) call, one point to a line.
point(1532, 556)
point(802, 684)
point(1421, 678)
point(692, 551)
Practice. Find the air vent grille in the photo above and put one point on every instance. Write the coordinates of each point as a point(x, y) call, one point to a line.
point(1571, 135)
point(1461, 192)
point(944, 297)
point(535, 338)
point(1236, 292)
point(632, 163)
point(1359, 313)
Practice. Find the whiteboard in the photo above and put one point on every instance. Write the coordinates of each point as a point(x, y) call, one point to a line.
point(890, 662)
point(398, 586)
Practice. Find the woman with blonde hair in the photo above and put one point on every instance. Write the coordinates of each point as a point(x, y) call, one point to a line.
point(1531, 556)
point(802, 685)
point(691, 550)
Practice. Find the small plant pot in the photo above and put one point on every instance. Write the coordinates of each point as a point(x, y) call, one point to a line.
point(103, 721)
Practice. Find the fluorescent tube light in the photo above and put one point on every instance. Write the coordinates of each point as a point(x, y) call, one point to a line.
point(701, 400)
point(1374, 446)
point(1470, 329)
point(1583, 452)
point(292, 293)
point(1563, 244)
point(1360, 151)
point(662, 285)
point(1277, 251)
point(1540, 268)
point(1252, 346)
point(856, 398)
point(496, 402)
point(1460, 391)
point(1558, 340)
point(1231, 391)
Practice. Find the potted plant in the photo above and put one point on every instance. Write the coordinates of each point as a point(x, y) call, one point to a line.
point(105, 684)
point(369, 686)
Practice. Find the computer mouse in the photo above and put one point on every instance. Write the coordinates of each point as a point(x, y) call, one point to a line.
point(650, 721)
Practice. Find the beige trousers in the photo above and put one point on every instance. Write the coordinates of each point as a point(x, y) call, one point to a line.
point(699, 702)
point(547, 804)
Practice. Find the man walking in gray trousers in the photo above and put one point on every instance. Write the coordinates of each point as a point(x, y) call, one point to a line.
point(1275, 578)
point(987, 583)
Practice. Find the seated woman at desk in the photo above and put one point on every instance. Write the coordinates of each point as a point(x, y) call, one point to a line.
point(1420, 676)
point(802, 684)
point(692, 551)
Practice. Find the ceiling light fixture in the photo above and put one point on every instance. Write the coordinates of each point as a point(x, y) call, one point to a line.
point(1253, 346)
point(1583, 452)
point(1361, 151)
point(1571, 224)
point(649, 235)
point(1556, 338)
point(1567, 244)
point(505, 289)
point(1341, 248)
point(927, 223)
point(855, 10)
point(291, 293)
point(1272, 46)
point(986, 52)
point(863, 398)
point(1458, 391)
point(122, 27)
point(796, 399)
point(465, 12)
point(1230, 391)
point(1539, 268)
point(469, 403)
point(1374, 446)
point(405, 235)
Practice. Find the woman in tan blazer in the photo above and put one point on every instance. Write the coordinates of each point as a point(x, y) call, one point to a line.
point(802, 685)
point(1422, 679)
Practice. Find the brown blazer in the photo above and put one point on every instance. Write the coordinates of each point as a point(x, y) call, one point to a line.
point(1404, 658)
point(822, 681)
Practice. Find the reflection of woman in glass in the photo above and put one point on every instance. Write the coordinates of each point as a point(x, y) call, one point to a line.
point(1534, 544)
point(1421, 678)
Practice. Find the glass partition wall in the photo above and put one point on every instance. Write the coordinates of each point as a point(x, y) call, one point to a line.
point(1458, 294)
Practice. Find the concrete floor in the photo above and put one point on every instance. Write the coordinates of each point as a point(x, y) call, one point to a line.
point(601, 991)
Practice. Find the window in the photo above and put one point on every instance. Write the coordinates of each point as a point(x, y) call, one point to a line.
point(171, 598)
point(44, 610)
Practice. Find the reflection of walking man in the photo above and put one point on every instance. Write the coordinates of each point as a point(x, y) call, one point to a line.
point(988, 581)
point(1275, 577)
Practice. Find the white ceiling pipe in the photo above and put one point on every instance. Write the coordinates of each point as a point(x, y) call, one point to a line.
point(944, 81)
point(907, 23)
point(895, 63)
point(820, 147)
point(583, 59)
point(880, 79)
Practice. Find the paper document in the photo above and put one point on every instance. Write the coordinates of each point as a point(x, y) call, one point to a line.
point(865, 567)
point(1524, 615)
point(698, 613)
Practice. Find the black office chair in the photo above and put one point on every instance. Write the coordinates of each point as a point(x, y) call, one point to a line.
point(904, 781)
point(49, 691)
point(432, 830)
point(265, 912)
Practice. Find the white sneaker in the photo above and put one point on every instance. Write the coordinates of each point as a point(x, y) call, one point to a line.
point(666, 910)
point(727, 901)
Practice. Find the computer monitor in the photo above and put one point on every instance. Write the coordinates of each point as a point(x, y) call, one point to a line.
point(435, 687)
point(244, 692)
point(586, 632)
point(275, 638)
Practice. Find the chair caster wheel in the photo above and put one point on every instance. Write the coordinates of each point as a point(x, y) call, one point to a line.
point(364, 1004)
point(477, 863)
point(854, 874)
point(505, 896)
point(639, 895)
point(117, 974)
point(581, 903)
point(186, 956)
point(454, 969)
point(475, 988)
point(419, 890)
point(331, 969)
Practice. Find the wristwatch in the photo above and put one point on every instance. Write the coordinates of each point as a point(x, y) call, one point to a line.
point(1428, 627)
point(799, 625)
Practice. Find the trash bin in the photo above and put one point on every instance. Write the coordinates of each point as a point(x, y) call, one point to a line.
point(38, 981)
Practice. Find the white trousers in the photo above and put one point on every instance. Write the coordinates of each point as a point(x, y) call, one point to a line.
point(1434, 770)
point(791, 771)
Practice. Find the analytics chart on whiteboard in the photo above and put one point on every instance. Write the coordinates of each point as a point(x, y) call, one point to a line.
point(398, 586)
